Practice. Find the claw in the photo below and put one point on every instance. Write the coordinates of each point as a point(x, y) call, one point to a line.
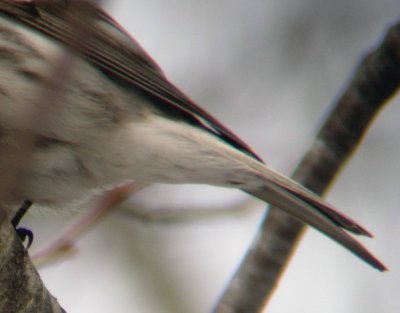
point(23, 233)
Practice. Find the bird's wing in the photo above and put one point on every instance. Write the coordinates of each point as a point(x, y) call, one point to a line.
point(118, 56)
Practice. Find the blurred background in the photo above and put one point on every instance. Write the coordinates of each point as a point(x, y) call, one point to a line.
point(270, 70)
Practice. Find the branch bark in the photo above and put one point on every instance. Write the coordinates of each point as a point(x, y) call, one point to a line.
point(374, 81)
point(21, 289)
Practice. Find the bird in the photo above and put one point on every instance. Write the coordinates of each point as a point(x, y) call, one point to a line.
point(116, 117)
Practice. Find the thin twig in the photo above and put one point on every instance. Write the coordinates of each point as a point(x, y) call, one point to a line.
point(64, 242)
point(376, 79)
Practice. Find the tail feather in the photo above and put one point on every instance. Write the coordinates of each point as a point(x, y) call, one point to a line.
point(318, 203)
point(335, 216)
point(297, 201)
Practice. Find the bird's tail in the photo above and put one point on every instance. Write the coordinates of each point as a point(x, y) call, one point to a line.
point(309, 208)
point(193, 156)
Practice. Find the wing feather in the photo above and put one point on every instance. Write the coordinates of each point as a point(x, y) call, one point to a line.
point(122, 58)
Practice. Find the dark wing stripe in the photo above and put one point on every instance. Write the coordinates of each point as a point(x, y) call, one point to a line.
point(324, 208)
point(112, 56)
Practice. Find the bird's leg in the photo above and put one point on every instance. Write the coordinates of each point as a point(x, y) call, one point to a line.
point(23, 233)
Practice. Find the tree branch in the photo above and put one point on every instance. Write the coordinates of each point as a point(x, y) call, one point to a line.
point(21, 289)
point(375, 80)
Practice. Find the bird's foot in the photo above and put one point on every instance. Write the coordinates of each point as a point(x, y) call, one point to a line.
point(23, 233)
